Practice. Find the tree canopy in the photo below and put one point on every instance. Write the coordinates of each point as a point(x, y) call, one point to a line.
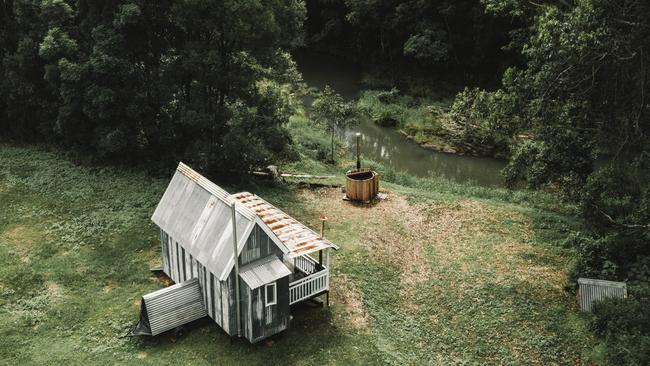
point(148, 80)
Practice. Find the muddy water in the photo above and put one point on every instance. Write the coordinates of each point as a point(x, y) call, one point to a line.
point(388, 146)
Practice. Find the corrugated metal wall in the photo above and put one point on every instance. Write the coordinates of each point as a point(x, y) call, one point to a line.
point(592, 291)
point(173, 306)
point(219, 296)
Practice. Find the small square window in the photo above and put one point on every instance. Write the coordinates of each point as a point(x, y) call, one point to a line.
point(271, 294)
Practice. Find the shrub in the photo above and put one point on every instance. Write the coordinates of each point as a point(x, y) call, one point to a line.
point(385, 118)
point(624, 325)
point(388, 97)
point(483, 120)
point(309, 139)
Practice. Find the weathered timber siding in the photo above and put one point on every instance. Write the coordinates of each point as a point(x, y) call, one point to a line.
point(258, 245)
point(261, 321)
point(178, 263)
point(164, 241)
point(218, 296)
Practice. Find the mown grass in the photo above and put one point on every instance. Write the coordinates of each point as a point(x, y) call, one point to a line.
point(439, 273)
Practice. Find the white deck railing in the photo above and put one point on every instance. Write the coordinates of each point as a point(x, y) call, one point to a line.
point(309, 286)
point(306, 264)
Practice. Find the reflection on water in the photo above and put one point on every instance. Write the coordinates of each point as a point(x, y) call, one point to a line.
point(386, 145)
point(393, 149)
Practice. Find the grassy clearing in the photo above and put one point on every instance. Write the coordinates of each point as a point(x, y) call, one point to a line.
point(436, 274)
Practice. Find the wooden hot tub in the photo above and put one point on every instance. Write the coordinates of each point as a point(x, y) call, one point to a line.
point(361, 184)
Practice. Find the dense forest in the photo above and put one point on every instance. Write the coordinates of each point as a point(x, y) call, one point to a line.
point(558, 87)
point(150, 81)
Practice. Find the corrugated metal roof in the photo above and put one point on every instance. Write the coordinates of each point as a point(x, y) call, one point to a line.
point(263, 271)
point(197, 214)
point(298, 238)
point(174, 306)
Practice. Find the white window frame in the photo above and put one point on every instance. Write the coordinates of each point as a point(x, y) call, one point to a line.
point(275, 293)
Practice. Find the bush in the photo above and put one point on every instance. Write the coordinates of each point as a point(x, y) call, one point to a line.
point(593, 257)
point(388, 97)
point(624, 326)
point(385, 118)
point(567, 160)
point(309, 139)
point(483, 120)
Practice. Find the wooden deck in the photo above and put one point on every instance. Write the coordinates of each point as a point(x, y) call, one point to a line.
point(309, 279)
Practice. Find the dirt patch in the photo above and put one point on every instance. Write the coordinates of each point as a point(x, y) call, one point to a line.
point(22, 239)
point(161, 278)
point(344, 292)
point(406, 235)
point(110, 286)
point(458, 246)
point(389, 229)
point(54, 291)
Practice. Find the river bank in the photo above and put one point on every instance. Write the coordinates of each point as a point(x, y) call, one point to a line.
point(416, 143)
point(424, 121)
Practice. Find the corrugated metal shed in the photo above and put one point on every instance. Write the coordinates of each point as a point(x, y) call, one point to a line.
point(263, 271)
point(592, 291)
point(298, 238)
point(172, 306)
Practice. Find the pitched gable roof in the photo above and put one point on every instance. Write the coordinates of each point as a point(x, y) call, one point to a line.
point(198, 215)
point(298, 238)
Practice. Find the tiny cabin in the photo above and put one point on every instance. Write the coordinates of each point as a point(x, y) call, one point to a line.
point(248, 260)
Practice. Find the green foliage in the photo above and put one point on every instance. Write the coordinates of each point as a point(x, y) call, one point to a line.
point(483, 120)
point(310, 141)
point(615, 199)
point(567, 160)
point(624, 324)
point(77, 242)
point(428, 47)
point(423, 37)
point(56, 45)
point(403, 110)
point(331, 111)
point(581, 93)
point(423, 119)
point(152, 81)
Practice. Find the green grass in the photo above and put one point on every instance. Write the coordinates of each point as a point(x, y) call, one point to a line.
point(439, 273)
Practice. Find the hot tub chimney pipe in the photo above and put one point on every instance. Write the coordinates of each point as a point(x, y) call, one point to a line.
point(358, 151)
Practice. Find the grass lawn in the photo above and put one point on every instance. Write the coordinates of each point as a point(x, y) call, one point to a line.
point(438, 273)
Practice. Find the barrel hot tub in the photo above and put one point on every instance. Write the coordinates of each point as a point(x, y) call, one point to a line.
point(361, 184)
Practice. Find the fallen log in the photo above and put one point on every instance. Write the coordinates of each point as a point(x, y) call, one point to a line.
point(293, 175)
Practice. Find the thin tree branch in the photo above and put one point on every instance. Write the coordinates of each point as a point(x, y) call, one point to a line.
point(629, 226)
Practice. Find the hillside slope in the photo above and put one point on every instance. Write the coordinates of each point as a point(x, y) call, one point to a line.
point(424, 276)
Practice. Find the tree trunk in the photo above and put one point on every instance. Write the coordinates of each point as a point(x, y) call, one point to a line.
point(332, 144)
